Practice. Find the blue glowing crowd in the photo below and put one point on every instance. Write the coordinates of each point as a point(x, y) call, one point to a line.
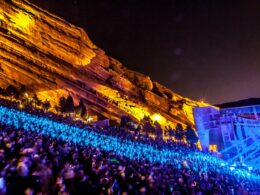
point(44, 154)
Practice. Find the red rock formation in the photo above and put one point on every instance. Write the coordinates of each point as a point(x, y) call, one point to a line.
point(53, 58)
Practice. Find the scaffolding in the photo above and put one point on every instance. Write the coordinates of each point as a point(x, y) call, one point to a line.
point(241, 141)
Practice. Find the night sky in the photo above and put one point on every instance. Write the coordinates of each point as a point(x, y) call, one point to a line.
point(202, 49)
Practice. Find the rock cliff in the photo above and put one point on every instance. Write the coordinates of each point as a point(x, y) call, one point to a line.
point(52, 58)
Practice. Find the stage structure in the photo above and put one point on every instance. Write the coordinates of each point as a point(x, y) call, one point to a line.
point(232, 131)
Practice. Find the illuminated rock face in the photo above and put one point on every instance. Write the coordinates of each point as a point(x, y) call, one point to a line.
point(53, 58)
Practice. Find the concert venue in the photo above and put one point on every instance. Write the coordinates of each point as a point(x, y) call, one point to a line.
point(74, 120)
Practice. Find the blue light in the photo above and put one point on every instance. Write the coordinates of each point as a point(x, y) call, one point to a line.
point(196, 161)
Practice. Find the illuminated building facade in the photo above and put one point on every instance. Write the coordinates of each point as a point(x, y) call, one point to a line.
point(233, 131)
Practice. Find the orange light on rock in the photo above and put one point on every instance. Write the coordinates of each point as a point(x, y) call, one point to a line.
point(22, 20)
point(158, 118)
point(123, 103)
point(90, 119)
point(213, 148)
point(199, 145)
point(1, 14)
point(21, 106)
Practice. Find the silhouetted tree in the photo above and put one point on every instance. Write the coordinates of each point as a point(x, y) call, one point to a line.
point(171, 132)
point(191, 136)
point(62, 104)
point(69, 105)
point(81, 109)
point(22, 89)
point(11, 91)
point(158, 129)
point(147, 125)
point(36, 100)
point(57, 108)
point(179, 132)
point(124, 121)
point(46, 105)
point(2, 91)
point(20, 92)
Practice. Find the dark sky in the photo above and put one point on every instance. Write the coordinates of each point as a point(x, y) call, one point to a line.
point(202, 49)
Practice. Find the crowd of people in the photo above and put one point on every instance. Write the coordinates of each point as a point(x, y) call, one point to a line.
point(115, 131)
point(46, 154)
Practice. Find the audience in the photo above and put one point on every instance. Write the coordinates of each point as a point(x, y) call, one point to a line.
point(40, 156)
